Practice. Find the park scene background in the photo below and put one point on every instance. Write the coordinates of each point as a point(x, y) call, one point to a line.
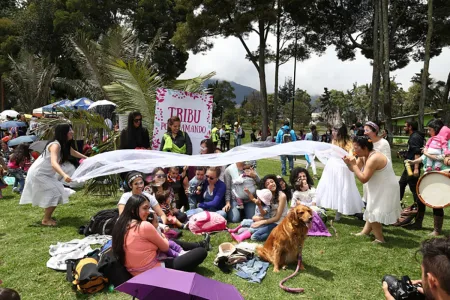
point(123, 51)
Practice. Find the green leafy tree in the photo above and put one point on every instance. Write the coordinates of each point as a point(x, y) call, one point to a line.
point(327, 106)
point(252, 107)
point(223, 98)
point(148, 17)
point(207, 19)
point(302, 108)
point(286, 91)
point(9, 42)
point(30, 80)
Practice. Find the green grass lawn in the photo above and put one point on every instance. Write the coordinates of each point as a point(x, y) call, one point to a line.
point(339, 267)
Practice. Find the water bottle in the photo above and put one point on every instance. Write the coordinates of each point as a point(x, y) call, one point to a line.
point(408, 168)
point(111, 288)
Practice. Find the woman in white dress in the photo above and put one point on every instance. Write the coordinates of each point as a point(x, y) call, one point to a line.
point(383, 191)
point(379, 144)
point(42, 187)
point(337, 187)
point(371, 130)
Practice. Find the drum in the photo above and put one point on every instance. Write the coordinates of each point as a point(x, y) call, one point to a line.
point(433, 189)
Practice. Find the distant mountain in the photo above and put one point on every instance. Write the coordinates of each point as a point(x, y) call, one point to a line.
point(241, 91)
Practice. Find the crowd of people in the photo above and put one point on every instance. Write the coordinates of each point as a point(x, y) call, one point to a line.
point(167, 197)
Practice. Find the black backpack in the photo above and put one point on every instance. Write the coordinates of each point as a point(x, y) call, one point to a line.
point(112, 269)
point(287, 137)
point(102, 223)
point(243, 134)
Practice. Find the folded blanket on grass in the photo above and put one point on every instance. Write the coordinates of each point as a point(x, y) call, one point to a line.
point(73, 249)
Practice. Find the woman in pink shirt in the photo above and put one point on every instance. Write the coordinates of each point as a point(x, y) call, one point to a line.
point(137, 243)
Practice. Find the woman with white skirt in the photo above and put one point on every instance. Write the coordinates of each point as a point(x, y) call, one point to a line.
point(337, 187)
point(42, 188)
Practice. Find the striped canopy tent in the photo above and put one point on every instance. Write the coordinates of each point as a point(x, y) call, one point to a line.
point(54, 106)
point(82, 103)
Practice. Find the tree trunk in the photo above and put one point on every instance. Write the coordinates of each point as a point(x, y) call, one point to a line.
point(447, 101)
point(381, 55)
point(2, 93)
point(386, 78)
point(375, 67)
point(426, 65)
point(262, 79)
point(277, 67)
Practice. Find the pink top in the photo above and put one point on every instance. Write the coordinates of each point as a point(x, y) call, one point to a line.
point(141, 248)
point(12, 164)
point(445, 133)
point(437, 142)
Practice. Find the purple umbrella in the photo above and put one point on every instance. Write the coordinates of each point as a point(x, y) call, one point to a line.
point(163, 283)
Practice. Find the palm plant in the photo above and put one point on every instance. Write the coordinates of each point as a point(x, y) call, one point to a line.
point(120, 68)
point(30, 80)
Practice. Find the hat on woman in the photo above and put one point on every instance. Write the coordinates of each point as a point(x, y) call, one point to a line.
point(264, 195)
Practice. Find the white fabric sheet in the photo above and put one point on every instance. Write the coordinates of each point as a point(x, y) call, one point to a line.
point(121, 161)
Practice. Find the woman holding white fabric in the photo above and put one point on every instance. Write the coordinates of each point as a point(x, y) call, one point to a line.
point(41, 187)
point(337, 187)
point(383, 197)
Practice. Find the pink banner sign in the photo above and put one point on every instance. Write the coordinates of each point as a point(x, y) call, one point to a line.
point(194, 110)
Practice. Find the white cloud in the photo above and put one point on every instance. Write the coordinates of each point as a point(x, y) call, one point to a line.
point(227, 59)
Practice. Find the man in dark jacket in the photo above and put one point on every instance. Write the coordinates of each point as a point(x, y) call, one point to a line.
point(416, 142)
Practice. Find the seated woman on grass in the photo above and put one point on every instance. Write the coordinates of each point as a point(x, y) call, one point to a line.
point(278, 209)
point(212, 194)
point(135, 181)
point(159, 183)
point(138, 244)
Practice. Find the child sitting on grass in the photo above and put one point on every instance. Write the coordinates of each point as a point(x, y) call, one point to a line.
point(168, 207)
point(17, 166)
point(195, 187)
point(305, 194)
point(262, 211)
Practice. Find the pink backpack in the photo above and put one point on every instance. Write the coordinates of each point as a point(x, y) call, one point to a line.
point(206, 221)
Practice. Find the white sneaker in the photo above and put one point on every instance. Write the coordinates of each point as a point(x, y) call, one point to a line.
point(15, 189)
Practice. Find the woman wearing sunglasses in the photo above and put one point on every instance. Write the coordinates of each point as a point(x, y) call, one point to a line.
point(212, 195)
point(134, 136)
point(160, 182)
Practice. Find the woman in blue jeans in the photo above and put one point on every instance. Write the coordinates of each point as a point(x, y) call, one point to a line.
point(278, 210)
point(237, 177)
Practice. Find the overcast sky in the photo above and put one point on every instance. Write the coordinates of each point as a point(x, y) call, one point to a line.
point(227, 59)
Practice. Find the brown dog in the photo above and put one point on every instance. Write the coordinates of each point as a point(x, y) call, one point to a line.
point(285, 242)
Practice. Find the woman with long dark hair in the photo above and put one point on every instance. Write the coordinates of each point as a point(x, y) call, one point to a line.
point(337, 188)
point(175, 140)
point(138, 244)
point(279, 209)
point(134, 136)
point(41, 186)
point(135, 181)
